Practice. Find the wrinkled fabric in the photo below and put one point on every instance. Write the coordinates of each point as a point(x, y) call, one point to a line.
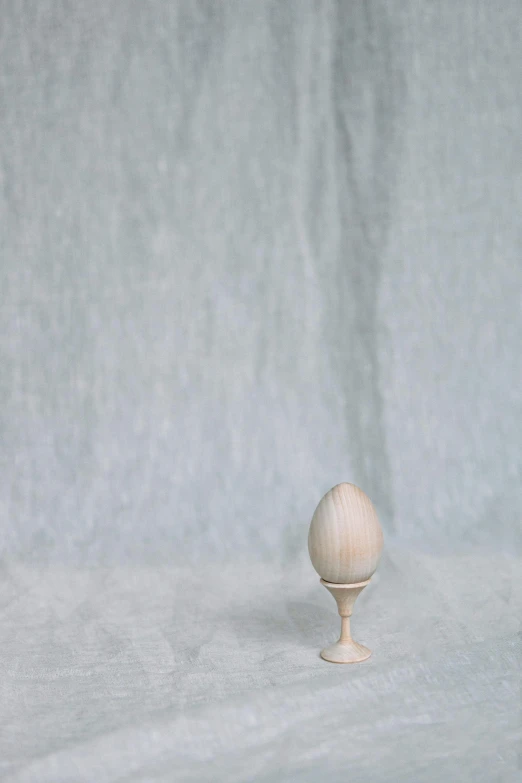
point(250, 250)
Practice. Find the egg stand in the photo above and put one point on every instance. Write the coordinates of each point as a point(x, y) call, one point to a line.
point(346, 650)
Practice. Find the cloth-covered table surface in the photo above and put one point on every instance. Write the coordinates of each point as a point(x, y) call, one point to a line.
point(250, 249)
point(168, 674)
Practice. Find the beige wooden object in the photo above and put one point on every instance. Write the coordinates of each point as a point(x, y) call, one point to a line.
point(345, 544)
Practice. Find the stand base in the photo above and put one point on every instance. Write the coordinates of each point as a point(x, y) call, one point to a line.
point(346, 652)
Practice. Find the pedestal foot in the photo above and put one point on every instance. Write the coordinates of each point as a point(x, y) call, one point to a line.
point(346, 652)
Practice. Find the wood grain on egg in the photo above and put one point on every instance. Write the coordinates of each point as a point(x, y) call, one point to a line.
point(345, 539)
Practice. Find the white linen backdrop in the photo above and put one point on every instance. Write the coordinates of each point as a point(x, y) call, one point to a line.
point(251, 249)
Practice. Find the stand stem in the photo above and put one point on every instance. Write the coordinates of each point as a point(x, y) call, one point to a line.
point(345, 630)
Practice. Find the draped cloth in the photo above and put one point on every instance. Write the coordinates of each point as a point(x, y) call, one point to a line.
point(251, 249)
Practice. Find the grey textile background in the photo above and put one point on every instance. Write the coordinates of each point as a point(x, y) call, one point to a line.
point(249, 250)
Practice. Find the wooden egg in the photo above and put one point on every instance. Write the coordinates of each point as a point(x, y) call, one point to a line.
point(345, 539)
